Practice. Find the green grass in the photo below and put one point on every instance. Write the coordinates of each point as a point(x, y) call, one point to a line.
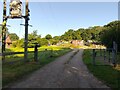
point(107, 74)
point(13, 71)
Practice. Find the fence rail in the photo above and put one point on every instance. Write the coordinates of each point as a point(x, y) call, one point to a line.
point(11, 53)
point(108, 55)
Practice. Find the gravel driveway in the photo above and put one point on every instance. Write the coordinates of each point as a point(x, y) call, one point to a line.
point(67, 71)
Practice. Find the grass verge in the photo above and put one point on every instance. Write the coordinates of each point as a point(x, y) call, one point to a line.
point(107, 74)
point(13, 71)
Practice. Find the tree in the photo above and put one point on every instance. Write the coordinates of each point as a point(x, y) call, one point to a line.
point(53, 41)
point(13, 37)
point(95, 32)
point(56, 37)
point(43, 41)
point(48, 37)
point(32, 39)
point(86, 35)
point(111, 33)
point(69, 35)
point(77, 35)
point(18, 43)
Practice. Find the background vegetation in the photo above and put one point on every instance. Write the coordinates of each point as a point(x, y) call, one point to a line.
point(101, 34)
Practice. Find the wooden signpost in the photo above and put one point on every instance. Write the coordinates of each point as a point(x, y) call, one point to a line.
point(15, 12)
point(26, 33)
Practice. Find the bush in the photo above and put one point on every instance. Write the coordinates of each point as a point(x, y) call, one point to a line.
point(43, 42)
point(53, 42)
point(14, 44)
point(18, 43)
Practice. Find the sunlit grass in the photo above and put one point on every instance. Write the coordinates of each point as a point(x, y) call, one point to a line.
point(19, 49)
point(13, 71)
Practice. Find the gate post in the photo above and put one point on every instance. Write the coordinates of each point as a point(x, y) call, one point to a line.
point(104, 55)
point(36, 52)
point(94, 57)
point(114, 51)
point(109, 55)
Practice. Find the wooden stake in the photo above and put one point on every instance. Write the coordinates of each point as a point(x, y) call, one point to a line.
point(26, 33)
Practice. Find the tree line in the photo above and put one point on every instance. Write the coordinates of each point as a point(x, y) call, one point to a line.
point(103, 34)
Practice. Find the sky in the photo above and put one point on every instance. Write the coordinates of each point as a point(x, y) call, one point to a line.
point(55, 18)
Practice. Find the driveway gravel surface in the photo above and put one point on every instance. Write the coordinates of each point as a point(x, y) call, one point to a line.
point(67, 71)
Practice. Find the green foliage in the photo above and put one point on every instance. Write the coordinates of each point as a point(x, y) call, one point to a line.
point(18, 43)
point(86, 35)
point(111, 33)
point(13, 36)
point(53, 41)
point(95, 32)
point(68, 35)
point(33, 38)
point(104, 34)
point(91, 33)
point(14, 44)
point(77, 35)
point(56, 37)
point(71, 35)
point(43, 41)
point(48, 37)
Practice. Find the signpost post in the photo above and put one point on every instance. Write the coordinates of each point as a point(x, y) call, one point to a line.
point(26, 33)
point(15, 12)
point(4, 29)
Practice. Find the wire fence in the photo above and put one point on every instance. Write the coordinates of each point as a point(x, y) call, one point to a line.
point(107, 56)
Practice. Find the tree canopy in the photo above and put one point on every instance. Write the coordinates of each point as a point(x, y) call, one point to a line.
point(48, 37)
point(111, 33)
point(13, 36)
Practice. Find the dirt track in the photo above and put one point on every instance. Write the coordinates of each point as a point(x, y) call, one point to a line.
point(67, 71)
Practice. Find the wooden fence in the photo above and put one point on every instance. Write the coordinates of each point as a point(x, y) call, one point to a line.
point(32, 56)
point(14, 56)
point(3, 55)
point(106, 56)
